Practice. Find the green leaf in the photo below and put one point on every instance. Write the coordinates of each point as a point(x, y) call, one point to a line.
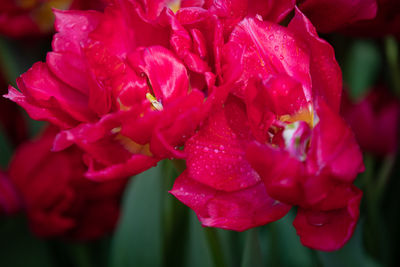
point(362, 66)
point(138, 239)
point(252, 251)
point(392, 57)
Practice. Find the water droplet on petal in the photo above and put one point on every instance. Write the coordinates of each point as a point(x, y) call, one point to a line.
point(318, 218)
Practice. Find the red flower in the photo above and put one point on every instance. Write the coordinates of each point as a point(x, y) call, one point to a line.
point(59, 200)
point(129, 97)
point(375, 121)
point(280, 129)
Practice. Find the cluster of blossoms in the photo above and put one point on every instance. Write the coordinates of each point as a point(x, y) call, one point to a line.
point(251, 106)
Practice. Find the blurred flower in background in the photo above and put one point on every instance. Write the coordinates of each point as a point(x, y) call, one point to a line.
point(9, 199)
point(58, 199)
point(374, 120)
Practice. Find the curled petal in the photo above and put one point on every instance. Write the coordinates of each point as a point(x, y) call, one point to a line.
point(238, 210)
point(167, 75)
point(328, 230)
point(263, 49)
point(51, 114)
point(281, 174)
point(325, 72)
point(40, 84)
point(333, 147)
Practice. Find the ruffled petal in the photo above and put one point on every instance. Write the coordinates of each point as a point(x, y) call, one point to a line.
point(328, 230)
point(238, 210)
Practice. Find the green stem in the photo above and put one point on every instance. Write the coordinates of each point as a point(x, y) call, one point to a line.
point(315, 258)
point(392, 56)
point(175, 219)
point(180, 165)
point(384, 175)
point(8, 64)
point(81, 254)
point(214, 245)
point(252, 255)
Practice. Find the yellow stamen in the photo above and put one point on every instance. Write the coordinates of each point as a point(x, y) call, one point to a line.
point(156, 104)
point(175, 5)
point(305, 114)
point(131, 145)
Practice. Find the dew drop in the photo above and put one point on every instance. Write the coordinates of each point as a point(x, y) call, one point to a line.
point(271, 37)
point(276, 48)
point(84, 28)
point(281, 57)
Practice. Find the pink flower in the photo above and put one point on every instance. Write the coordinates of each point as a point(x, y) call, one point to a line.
point(375, 121)
point(279, 129)
point(130, 97)
point(58, 199)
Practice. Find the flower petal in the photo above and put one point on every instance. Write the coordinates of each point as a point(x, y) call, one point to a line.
point(238, 210)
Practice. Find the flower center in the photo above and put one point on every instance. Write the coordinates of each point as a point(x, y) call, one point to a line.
point(131, 145)
point(174, 5)
point(305, 114)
